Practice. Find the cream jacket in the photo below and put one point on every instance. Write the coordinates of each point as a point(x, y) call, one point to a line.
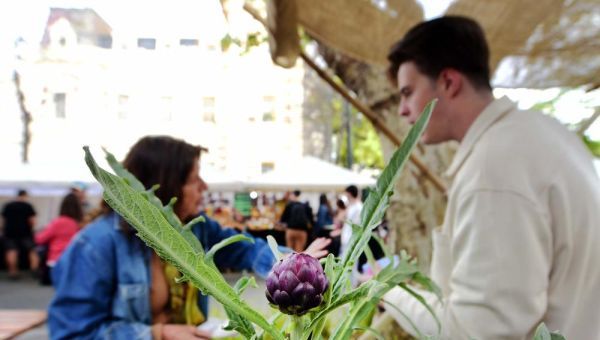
point(520, 243)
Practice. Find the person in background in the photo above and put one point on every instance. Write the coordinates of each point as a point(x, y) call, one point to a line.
point(109, 284)
point(58, 233)
point(353, 210)
point(296, 222)
point(324, 216)
point(338, 223)
point(520, 243)
point(19, 221)
point(79, 189)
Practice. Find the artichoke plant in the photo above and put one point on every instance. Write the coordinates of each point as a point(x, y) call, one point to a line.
point(296, 284)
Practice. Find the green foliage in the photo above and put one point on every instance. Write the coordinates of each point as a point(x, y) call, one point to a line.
point(366, 144)
point(549, 107)
point(160, 229)
point(252, 40)
point(139, 209)
point(542, 333)
point(593, 145)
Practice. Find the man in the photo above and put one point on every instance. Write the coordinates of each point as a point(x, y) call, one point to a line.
point(19, 220)
point(520, 243)
point(296, 222)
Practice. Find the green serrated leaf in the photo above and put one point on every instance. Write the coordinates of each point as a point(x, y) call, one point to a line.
point(237, 322)
point(224, 243)
point(243, 283)
point(167, 211)
point(428, 284)
point(542, 333)
point(412, 324)
point(359, 310)
point(378, 200)
point(424, 303)
point(354, 295)
point(169, 244)
point(122, 172)
point(377, 334)
point(274, 248)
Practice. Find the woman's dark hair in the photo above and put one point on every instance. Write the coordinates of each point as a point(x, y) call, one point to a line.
point(448, 42)
point(323, 200)
point(340, 204)
point(71, 207)
point(162, 160)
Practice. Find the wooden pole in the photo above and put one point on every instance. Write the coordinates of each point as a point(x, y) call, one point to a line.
point(375, 120)
point(379, 125)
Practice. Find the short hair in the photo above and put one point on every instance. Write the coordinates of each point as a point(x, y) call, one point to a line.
point(448, 42)
point(352, 190)
point(297, 193)
point(22, 192)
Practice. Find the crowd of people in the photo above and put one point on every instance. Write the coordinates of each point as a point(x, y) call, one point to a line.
point(44, 247)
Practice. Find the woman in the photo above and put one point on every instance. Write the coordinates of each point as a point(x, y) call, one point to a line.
point(61, 230)
point(110, 285)
point(324, 216)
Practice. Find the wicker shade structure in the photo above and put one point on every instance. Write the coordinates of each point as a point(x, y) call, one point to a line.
point(534, 44)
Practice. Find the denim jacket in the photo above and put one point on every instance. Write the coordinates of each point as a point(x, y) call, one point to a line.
point(103, 279)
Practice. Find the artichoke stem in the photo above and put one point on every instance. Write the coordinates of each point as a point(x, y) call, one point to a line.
point(297, 328)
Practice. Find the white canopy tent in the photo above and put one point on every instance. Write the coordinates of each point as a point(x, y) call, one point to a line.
point(309, 174)
point(47, 183)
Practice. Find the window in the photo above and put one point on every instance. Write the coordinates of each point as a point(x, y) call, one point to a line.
point(188, 42)
point(267, 167)
point(147, 43)
point(105, 41)
point(60, 100)
point(269, 109)
point(208, 109)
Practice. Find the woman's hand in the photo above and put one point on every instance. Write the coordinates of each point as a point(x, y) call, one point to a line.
point(183, 332)
point(318, 247)
point(335, 232)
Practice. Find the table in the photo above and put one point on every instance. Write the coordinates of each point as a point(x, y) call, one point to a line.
point(18, 321)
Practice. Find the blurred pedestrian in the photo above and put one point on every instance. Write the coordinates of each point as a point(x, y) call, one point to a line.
point(19, 221)
point(324, 217)
point(59, 232)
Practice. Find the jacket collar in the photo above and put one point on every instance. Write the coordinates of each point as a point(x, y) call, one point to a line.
point(490, 115)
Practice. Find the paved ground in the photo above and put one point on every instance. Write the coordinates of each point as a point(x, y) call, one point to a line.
point(26, 293)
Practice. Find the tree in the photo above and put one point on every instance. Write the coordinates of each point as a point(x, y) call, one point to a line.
point(417, 207)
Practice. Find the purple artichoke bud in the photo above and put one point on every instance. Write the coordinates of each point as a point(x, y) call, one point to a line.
point(296, 284)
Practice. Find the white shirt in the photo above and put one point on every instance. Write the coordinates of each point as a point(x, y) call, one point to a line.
point(520, 242)
point(352, 217)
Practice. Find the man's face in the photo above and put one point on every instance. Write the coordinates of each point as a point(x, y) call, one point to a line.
point(416, 90)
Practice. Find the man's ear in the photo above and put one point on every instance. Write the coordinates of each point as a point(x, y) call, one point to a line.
point(451, 82)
